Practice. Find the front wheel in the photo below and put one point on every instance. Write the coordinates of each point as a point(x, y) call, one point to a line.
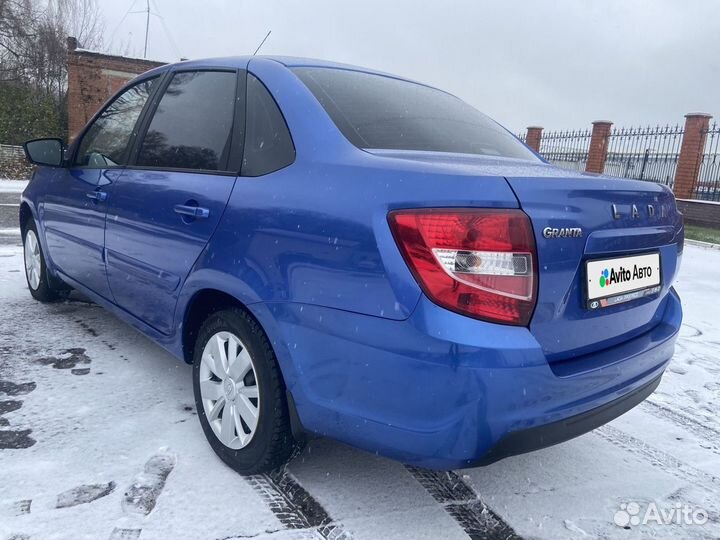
point(240, 394)
point(41, 285)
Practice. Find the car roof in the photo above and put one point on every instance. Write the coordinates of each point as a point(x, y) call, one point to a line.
point(287, 61)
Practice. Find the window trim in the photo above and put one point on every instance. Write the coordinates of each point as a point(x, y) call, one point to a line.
point(287, 127)
point(149, 114)
point(237, 144)
point(127, 154)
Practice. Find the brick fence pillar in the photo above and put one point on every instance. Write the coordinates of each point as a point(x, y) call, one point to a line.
point(691, 151)
point(533, 138)
point(597, 153)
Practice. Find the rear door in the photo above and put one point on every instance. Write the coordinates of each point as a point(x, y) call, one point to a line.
point(169, 201)
point(76, 198)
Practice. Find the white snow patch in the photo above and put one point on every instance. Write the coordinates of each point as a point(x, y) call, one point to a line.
point(12, 186)
point(107, 426)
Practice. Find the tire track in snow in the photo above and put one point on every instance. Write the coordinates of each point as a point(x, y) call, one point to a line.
point(461, 502)
point(660, 458)
point(684, 421)
point(294, 507)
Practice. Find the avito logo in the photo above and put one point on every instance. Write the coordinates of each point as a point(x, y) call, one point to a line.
point(608, 277)
point(604, 278)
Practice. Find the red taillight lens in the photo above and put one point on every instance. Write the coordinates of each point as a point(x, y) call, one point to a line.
point(477, 262)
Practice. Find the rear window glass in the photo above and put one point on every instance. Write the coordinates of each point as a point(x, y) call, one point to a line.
point(374, 111)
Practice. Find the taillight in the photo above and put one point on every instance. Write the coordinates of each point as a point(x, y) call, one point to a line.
point(479, 263)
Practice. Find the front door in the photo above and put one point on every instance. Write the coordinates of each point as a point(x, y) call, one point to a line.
point(169, 201)
point(77, 197)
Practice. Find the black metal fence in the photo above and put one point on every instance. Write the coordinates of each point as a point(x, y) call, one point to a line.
point(645, 153)
point(566, 149)
point(708, 186)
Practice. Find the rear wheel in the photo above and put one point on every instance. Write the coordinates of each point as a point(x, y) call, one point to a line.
point(42, 286)
point(240, 395)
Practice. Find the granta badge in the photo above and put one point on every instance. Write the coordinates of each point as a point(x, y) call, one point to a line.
point(562, 232)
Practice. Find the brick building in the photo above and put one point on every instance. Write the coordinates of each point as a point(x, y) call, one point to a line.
point(94, 77)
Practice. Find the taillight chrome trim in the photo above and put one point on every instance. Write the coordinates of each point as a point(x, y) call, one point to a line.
point(530, 274)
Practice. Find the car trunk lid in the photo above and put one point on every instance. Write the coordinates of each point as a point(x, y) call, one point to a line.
point(583, 218)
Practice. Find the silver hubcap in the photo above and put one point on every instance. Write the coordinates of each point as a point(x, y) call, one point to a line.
point(32, 259)
point(229, 390)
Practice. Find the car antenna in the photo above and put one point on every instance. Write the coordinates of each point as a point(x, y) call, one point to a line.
point(262, 42)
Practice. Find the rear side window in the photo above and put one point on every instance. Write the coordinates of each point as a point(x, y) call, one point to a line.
point(374, 111)
point(192, 126)
point(268, 145)
point(106, 141)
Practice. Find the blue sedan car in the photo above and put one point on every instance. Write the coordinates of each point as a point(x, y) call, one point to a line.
point(349, 254)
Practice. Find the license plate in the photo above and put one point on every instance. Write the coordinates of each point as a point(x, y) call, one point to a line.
point(614, 281)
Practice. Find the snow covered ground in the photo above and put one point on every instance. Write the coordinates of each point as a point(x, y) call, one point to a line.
point(10, 191)
point(12, 186)
point(99, 440)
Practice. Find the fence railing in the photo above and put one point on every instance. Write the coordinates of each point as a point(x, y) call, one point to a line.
point(566, 149)
point(684, 157)
point(645, 153)
point(708, 184)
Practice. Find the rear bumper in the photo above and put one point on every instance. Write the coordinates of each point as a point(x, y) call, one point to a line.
point(444, 391)
point(527, 440)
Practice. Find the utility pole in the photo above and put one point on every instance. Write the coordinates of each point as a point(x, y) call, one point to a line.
point(147, 26)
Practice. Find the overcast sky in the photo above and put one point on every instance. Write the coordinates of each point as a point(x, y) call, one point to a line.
point(558, 64)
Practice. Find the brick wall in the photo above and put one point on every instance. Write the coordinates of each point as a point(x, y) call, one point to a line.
point(706, 213)
point(533, 137)
point(13, 164)
point(691, 152)
point(93, 78)
point(597, 152)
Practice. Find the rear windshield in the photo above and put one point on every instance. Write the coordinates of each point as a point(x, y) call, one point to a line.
point(374, 111)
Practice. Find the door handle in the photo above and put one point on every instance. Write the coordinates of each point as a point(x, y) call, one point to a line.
point(97, 195)
point(192, 211)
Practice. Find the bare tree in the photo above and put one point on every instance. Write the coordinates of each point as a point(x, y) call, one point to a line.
point(18, 22)
point(78, 18)
point(33, 37)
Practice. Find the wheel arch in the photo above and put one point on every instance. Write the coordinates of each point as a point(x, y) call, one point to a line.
point(207, 301)
point(201, 305)
point(25, 214)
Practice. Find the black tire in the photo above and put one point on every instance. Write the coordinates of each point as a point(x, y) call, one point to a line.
point(48, 289)
point(272, 444)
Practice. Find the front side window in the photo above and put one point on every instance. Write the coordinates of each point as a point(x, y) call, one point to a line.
point(105, 143)
point(378, 112)
point(192, 126)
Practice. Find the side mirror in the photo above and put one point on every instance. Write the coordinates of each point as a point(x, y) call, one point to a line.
point(48, 152)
